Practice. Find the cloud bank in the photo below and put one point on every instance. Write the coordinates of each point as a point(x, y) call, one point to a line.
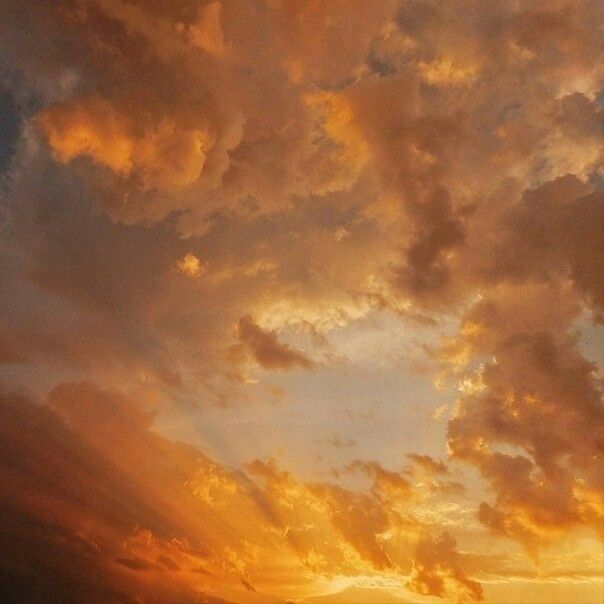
point(201, 201)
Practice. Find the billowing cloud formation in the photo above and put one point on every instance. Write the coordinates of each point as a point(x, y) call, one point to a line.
point(164, 157)
point(538, 394)
point(198, 199)
point(111, 511)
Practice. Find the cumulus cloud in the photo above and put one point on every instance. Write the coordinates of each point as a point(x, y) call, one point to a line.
point(437, 565)
point(542, 397)
point(164, 157)
point(189, 203)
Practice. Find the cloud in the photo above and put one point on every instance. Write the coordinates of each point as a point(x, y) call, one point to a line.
point(191, 204)
point(437, 565)
point(266, 349)
point(428, 465)
point(190, 265)
point(164, 157)
point(207, 32)
point(425, 273)
point(67, 507)
point(96, 509)
point(539, 395)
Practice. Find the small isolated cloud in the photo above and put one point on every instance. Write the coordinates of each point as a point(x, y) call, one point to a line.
point(266, 349)
point(190, 266)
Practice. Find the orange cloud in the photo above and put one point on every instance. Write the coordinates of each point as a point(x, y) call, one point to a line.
point(89, 127)
point(164, 157)
point(360, 183)
point(437, 567)
point(541, 396)
point(266, 348)
point(148, 515)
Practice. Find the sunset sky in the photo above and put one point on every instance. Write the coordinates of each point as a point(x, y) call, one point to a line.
point(301, 301)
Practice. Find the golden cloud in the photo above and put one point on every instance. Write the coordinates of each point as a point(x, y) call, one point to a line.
point(200, 198)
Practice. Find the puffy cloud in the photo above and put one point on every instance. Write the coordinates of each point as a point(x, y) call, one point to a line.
point(190, 265)
point(164, 157)
point(432, 160)
point(443, 72)
point(327, 42)
point(89, 128)
point(437, 565)
point(552, 233)
point(425, 273)
point(539, 395)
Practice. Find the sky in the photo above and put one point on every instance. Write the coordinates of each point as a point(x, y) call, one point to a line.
point(301, 301)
